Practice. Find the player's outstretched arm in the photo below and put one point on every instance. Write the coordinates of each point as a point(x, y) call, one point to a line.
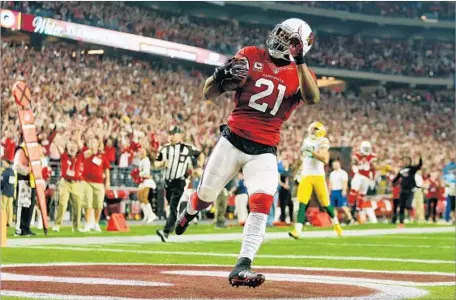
point(307, 84)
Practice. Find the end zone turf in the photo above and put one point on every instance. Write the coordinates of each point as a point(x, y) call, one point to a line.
point(399, 266)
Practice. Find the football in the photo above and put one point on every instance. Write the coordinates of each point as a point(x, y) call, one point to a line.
point(233, 83)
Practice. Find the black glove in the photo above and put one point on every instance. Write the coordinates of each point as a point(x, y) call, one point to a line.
point(234, 70)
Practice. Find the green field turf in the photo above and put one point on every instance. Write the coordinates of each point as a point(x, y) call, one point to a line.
point(199, 229)
point(344, 253)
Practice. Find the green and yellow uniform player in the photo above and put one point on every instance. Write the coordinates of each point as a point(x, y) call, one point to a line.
point(315, 150)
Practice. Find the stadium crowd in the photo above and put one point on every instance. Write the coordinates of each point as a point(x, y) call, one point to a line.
point(125, 102)
point(412, 58)
point(441, 10)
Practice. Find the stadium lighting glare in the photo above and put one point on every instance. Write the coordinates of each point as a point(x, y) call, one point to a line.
point(425, 19)
point(93, 52)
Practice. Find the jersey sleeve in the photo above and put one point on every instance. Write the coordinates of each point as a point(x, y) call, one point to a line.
point(246, 52)
point(324, 144)
point(106, 164)
point(250, 53)
point(344, 176)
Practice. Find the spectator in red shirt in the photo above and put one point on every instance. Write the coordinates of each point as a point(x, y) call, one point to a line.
point(433, 185)
point(96, 179)
point(110, 151)
point(70, 186)
point(9, 146)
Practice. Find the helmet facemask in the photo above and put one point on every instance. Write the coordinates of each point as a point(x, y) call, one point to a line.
point(278, 42)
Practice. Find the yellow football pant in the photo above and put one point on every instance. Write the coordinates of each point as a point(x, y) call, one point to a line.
point(308, 184)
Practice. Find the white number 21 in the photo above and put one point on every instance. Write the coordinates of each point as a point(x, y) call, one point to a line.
point(267, 92)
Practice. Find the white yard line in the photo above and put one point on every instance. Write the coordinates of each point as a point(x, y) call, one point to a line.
point(78, 280)
point(219, 237)
point(320, 257)
point(436, 238)
point(305, 244)
point(378, 245)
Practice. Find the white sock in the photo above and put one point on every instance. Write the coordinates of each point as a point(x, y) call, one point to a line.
point(298, 228)
point(335, 220)
point(150, 212)
point(254, 230)
point(190, 209)
point(145, 212)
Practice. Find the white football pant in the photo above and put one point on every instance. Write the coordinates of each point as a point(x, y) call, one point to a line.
point(260, 171)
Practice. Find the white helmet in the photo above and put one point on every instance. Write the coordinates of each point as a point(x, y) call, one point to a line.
point(278, 39)
point(365, 148)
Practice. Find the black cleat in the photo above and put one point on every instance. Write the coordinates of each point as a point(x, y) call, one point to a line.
point(242, 275)
point(182, 222)
point(163, 236)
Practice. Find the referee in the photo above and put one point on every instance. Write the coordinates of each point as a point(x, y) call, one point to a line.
point(177, 158)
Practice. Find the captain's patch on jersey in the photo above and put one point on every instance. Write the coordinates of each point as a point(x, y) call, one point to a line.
point(257, 66)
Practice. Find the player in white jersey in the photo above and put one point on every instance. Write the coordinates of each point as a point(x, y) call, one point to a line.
point(315, 150)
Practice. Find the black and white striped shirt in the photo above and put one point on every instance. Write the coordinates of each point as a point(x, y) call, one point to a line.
point(179, 157)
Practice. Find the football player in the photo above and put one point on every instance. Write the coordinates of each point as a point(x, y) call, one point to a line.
point(315, 150)
point(364, 169)
point(269, 84)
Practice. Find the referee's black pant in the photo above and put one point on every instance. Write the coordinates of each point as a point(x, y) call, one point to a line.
point(405, 202)
point(174, 190)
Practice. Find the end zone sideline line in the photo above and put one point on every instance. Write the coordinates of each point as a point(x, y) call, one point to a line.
point(215, 237)
point(322, 257)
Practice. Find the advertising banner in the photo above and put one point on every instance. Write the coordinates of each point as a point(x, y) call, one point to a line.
point(110, 38)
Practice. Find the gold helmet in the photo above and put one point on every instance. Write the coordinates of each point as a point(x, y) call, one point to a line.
point(317, 130)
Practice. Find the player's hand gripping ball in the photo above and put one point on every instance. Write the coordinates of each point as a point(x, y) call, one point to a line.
point(233, 74)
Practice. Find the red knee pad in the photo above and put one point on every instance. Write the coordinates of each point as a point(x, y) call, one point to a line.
point(261, 203)
point(197, 203)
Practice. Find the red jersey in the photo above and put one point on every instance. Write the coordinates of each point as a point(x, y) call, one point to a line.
point(365, 165)
point(433, 190)
point(110, 153)
point(94, 167)
point(266, 100)
point(9, 146)
point(71, 166)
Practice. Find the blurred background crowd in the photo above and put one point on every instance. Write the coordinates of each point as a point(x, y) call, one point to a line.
point(415, 57)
